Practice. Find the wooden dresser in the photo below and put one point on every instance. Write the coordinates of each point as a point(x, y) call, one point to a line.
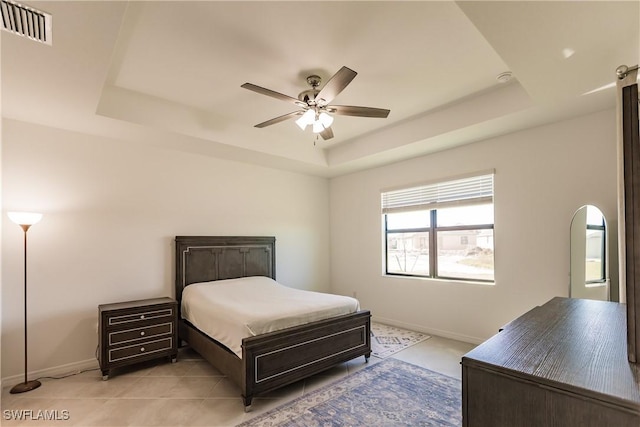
point(561, 364)
point(136, 331)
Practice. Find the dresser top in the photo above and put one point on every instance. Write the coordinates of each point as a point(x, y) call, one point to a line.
point(572, 344)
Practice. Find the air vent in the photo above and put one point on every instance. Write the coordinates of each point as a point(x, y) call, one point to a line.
point(26, 21)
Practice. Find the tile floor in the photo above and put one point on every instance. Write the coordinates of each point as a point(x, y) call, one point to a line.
point(187, 393)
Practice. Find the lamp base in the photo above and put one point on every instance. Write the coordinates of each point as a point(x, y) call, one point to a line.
point(26, 386)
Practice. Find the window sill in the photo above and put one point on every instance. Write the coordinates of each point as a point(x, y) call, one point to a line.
point(440, 280)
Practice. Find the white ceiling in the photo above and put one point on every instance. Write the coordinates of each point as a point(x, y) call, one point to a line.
point(168, 73)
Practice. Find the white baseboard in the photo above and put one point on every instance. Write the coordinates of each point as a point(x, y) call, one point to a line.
point(56, 371)
point(429, 331)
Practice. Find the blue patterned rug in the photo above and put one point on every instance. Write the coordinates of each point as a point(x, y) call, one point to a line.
point(388, 393)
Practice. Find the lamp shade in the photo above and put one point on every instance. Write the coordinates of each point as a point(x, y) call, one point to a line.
point(317, 126)
point(325, 119)
point(24, 218)
point(306, 119)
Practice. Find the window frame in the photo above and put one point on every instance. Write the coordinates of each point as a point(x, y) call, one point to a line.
point(433, 230)
point(463, 191)
point(603, 268)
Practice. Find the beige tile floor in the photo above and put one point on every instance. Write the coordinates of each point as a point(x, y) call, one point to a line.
point(187, 393)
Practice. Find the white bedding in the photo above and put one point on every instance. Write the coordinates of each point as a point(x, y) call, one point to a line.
point(233, 309)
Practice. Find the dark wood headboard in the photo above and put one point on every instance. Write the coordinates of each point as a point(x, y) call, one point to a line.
point(208, 258)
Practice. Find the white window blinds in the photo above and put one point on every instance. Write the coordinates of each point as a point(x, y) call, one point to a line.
point(463, 191)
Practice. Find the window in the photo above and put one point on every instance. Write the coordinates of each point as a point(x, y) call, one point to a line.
point(595, 267)
point(442, 230)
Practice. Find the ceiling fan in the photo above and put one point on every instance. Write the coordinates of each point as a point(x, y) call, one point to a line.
point(314, 103)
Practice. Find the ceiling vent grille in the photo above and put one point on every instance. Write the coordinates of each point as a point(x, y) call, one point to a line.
point(26, 21)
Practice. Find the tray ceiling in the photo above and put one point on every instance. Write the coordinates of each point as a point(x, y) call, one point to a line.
point(168, 73)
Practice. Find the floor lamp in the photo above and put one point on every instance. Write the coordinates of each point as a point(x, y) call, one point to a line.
point(25, 220)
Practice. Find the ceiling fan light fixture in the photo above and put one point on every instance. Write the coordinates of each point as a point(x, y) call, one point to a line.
point(306, 119)
point(325, 119)
point(317, 126)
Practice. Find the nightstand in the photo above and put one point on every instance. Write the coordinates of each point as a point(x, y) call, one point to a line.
point(136, 331)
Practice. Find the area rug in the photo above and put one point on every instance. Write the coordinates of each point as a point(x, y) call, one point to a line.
point(388, 393)
point(387, 340)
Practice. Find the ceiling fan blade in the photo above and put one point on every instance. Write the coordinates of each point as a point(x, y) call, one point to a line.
point(273, 94)
point(279, 119)
point(350, 110)
point(336, 84)
point(327, 133)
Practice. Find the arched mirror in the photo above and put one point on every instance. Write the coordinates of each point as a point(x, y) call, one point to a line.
point(589, 255)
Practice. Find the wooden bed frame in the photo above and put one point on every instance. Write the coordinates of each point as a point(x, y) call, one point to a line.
point(271, 360)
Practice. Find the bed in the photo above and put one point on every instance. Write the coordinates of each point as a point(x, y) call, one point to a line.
point(269, 360)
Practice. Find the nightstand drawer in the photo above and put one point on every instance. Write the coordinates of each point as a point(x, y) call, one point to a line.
point(145, 332)
point(141, 316)
point(140, 350)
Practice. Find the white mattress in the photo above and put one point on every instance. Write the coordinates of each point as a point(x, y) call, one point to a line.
point(233, 309)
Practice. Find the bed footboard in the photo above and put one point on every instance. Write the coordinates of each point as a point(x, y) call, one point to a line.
point(280, 358)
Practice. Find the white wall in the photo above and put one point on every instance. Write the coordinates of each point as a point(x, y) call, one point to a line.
point(111, 211)
point(543, 176)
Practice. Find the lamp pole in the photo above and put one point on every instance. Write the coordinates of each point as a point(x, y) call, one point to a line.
point(25, 220)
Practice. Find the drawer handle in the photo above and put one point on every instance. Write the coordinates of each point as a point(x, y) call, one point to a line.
point(142, 333)
point(141, 348)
